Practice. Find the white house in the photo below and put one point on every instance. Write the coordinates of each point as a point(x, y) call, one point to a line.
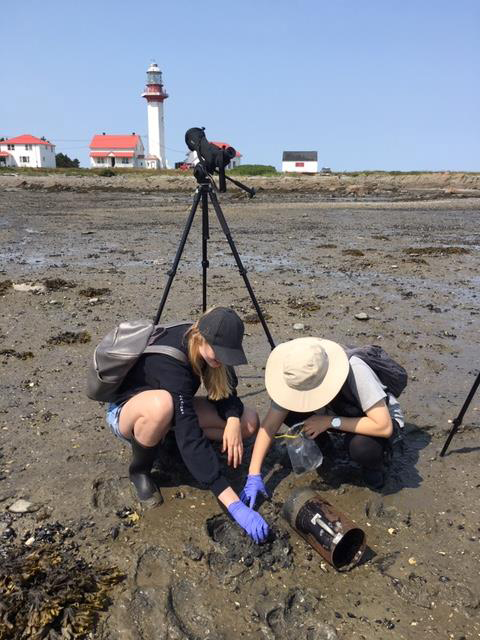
point(27, 151)
point(117, 151)
point(300, 161)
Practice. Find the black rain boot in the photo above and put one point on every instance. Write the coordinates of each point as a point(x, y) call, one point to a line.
point(139, 471)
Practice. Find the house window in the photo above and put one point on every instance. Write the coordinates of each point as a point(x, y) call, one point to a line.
point(11, 147)
point(24, 158)
point(28, 147)
point(100, 160)
point(125, 161)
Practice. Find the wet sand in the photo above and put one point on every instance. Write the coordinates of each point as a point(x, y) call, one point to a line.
point(99, 257)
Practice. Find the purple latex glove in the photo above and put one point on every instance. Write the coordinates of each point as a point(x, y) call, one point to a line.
point(253, 486)
point(251, 521)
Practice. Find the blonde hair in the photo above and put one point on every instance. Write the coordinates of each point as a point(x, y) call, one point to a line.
point(215, 380)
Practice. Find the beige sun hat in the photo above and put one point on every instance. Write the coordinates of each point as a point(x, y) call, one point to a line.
point(305, 374)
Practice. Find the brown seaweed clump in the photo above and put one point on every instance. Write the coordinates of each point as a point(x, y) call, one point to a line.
point(70, 337)
point(49, 592)
point(20, 355)
point(436, 251)
point(5, 286)
point(91, 292)
point(57, 284)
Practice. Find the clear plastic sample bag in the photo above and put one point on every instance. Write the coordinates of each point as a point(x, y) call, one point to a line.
point(304, 453)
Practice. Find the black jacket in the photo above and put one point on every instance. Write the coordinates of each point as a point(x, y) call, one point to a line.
point(159, 371)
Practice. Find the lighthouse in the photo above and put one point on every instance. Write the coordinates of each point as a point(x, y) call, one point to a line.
point(155, 94)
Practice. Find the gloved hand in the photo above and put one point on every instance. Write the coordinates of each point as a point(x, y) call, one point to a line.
point(253, 486)
point(251, 521)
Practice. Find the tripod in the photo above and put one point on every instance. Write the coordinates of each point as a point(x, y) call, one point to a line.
point(458, 420)
point(204, 193)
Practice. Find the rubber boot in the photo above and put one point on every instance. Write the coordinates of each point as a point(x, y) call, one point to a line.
point(139, 471)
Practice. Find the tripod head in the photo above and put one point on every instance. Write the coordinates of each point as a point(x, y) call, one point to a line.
point(212, 159)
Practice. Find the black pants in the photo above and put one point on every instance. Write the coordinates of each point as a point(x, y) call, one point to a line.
point(367, 451)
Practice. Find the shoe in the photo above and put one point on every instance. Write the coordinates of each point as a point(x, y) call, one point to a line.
point(139, 472)
point(374, 478)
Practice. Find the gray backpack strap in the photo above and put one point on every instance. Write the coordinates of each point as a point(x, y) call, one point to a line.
point(168, 351)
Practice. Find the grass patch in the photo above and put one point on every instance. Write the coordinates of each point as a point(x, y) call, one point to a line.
point(254, 170)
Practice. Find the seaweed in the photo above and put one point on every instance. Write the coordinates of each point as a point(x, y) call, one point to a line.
point(70, 337)
point(436, 251)
point(5, 285)
point(20, 355)
point(49, 591)
point(57, 284)
point(91, 292)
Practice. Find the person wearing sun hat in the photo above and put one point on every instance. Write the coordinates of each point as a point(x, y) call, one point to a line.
point(313, 380)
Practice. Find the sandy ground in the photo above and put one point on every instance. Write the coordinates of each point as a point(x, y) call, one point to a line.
point(99, 257)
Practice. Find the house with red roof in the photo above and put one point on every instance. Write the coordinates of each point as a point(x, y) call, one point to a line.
point(27, 151)
point(117, 151)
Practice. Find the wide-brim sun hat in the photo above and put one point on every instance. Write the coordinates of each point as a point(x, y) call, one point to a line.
point(305, 374)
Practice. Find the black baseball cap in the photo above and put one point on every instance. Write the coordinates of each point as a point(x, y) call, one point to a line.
point(223, 329)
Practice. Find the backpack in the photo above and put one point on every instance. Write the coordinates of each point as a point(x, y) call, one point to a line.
point(390, 373)
point(119, 350)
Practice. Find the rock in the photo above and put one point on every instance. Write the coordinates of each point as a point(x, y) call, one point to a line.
point(29, 288)
point(362, 316)
point(298, 326)
point(22, 506)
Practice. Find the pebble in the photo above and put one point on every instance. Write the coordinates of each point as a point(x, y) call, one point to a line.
point(412, 561)
point(299, 326)
point(21, 506)
point(30, 541)
point(362, 316)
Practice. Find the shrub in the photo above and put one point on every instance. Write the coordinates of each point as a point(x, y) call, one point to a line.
point(254, 170)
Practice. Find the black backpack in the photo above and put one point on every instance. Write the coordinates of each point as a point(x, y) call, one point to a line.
point(389, 372)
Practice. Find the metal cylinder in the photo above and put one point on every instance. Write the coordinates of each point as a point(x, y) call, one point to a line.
point(331, 533)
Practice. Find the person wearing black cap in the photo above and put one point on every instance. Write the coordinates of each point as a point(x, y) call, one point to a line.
point(158, 394)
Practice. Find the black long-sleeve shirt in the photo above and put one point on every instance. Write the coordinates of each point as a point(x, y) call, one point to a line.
point(160, 371)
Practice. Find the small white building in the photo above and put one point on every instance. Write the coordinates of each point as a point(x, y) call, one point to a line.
point(122, 151)
point(27, 151)
point(300, 161)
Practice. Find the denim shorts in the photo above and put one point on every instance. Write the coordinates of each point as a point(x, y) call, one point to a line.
point(113, 414)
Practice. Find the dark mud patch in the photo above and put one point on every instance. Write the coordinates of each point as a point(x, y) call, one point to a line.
point(91, 292)
point(49, 590)
point(326, 246)
point(58, 284)
point(5, 286)
point(70, 337)
point(236, 546)
point(353, 252)
point(380, 237)
point(20, 355)
point(436, 251)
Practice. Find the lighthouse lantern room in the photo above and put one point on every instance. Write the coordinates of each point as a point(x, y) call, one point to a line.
point(155, 94)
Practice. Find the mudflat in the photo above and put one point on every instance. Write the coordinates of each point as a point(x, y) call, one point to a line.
point(75, 262)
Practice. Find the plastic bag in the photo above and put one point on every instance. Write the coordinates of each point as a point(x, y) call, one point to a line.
point(304, 453)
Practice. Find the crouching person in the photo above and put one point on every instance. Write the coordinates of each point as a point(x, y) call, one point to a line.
point(315, 381)
point(158, 394)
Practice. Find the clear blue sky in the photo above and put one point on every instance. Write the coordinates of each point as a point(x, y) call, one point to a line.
point(378, 84)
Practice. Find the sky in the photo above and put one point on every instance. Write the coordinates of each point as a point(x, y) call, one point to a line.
point(368, 84)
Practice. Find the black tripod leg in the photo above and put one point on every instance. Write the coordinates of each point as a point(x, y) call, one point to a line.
point(205, 238)
point(178, 255)
point(241, 268)
point(458, 420)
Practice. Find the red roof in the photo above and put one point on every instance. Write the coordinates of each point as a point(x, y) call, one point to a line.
point(114, 142)
point(4, 154)
point(26, 138)
point(225, 144)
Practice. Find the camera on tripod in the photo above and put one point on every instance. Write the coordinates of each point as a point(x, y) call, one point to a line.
point(211, 158)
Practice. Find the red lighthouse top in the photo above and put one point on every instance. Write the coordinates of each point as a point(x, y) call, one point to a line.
point(154, 91)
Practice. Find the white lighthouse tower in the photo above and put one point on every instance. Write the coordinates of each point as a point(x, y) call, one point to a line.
point(155, 94)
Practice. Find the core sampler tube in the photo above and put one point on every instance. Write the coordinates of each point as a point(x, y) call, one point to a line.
point(328, 531)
